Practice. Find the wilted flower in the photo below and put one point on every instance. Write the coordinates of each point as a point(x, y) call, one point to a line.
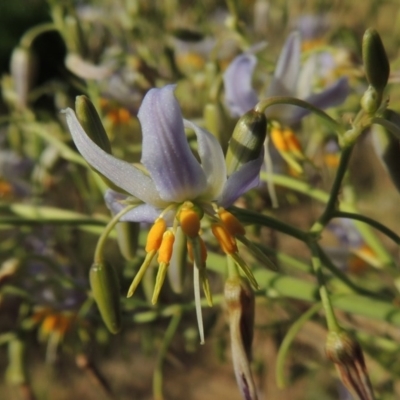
point(240, 304)
point(346, 353)
point(172, 188)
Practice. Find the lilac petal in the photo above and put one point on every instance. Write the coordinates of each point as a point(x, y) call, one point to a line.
point(166, 153)
point(240, 96)
point(123, 174)
point(116, 202)
point(212, 160)
point(247, 177)
point(330, 97)
point(284, 81)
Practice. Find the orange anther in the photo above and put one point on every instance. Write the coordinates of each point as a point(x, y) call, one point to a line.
point(50, 323)
point(165, 250)
point(190, 222)
point(155, 236)
point(291, 140)
point(225, 239)
point(231, 223)
point(123, 116)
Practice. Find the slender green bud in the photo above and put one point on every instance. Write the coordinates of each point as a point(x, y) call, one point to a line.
point(105, 287)
point(16, 373)
point(23, 68)
point(376, 63)
point(240, 305)
point(247, 140)
point(346, 353)
point(91, 122)
point(128, 238)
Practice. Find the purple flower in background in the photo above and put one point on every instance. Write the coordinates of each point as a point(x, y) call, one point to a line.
point(240, 96)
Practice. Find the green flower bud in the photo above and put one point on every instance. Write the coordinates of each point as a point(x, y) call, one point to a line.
point(106, 292)
point(247, 140)
point(371, 100)
point(375, 60)
point(346, 353)
point(128, 238)
point(23, 68)
point(91, 122)
point(16, 373)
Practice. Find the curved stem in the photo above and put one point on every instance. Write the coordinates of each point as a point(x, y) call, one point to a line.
point(98, 254)
point(287, 341)
point(264, 104)
point(375, 224)
point(28, 38)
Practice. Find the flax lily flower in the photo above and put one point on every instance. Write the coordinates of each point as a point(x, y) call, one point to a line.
point(240, 96)
point(172, 189)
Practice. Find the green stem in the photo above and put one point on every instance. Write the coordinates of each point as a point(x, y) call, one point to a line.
point(375, 224)
point(288, 340)
point(33, 33)
point(98, 254)
point(233, 270)
point(169, 334)
point(323, 291)
point(264, 104)
point(390, 126)
point(251, 217)
point(334, 193)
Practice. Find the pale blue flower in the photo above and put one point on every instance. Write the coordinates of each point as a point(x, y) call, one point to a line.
point(170, 177)
point(240, 96)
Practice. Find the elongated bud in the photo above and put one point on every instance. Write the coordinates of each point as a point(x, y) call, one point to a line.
point(16, 373)
point(240, 305)
point(91, 122)
point(128, 238)
point(346, 353)
point(105, 287)
point(377, 69)
point(23, 68)
point(375, 60)
point(247, 140)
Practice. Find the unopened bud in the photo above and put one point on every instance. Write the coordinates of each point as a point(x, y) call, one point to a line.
point(346, 353)
point(375, 60)
point(247, 140)
point(371, 100)
point(106, 292)
point(23, 68)
point(91, 122)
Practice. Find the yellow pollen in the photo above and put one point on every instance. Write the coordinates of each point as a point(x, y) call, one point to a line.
point(225, 239)
point(203, 250)
point(232, 224)
point(165, 250)
point(155, 236)
point(190, 222)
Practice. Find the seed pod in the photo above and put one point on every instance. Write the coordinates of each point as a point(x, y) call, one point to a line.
point(106, 292)
point(247, 140)
point(23, 68)
point(375, 60)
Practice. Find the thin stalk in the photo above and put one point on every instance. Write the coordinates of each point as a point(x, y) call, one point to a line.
point(169, 334)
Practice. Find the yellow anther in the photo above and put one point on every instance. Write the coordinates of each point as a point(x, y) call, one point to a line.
point(202, 247)
point(232, 224)
point(190, 222)
point(278, 139)
point(291, 140)
point(225, 239)
point(155, 236)
point(165, 250)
